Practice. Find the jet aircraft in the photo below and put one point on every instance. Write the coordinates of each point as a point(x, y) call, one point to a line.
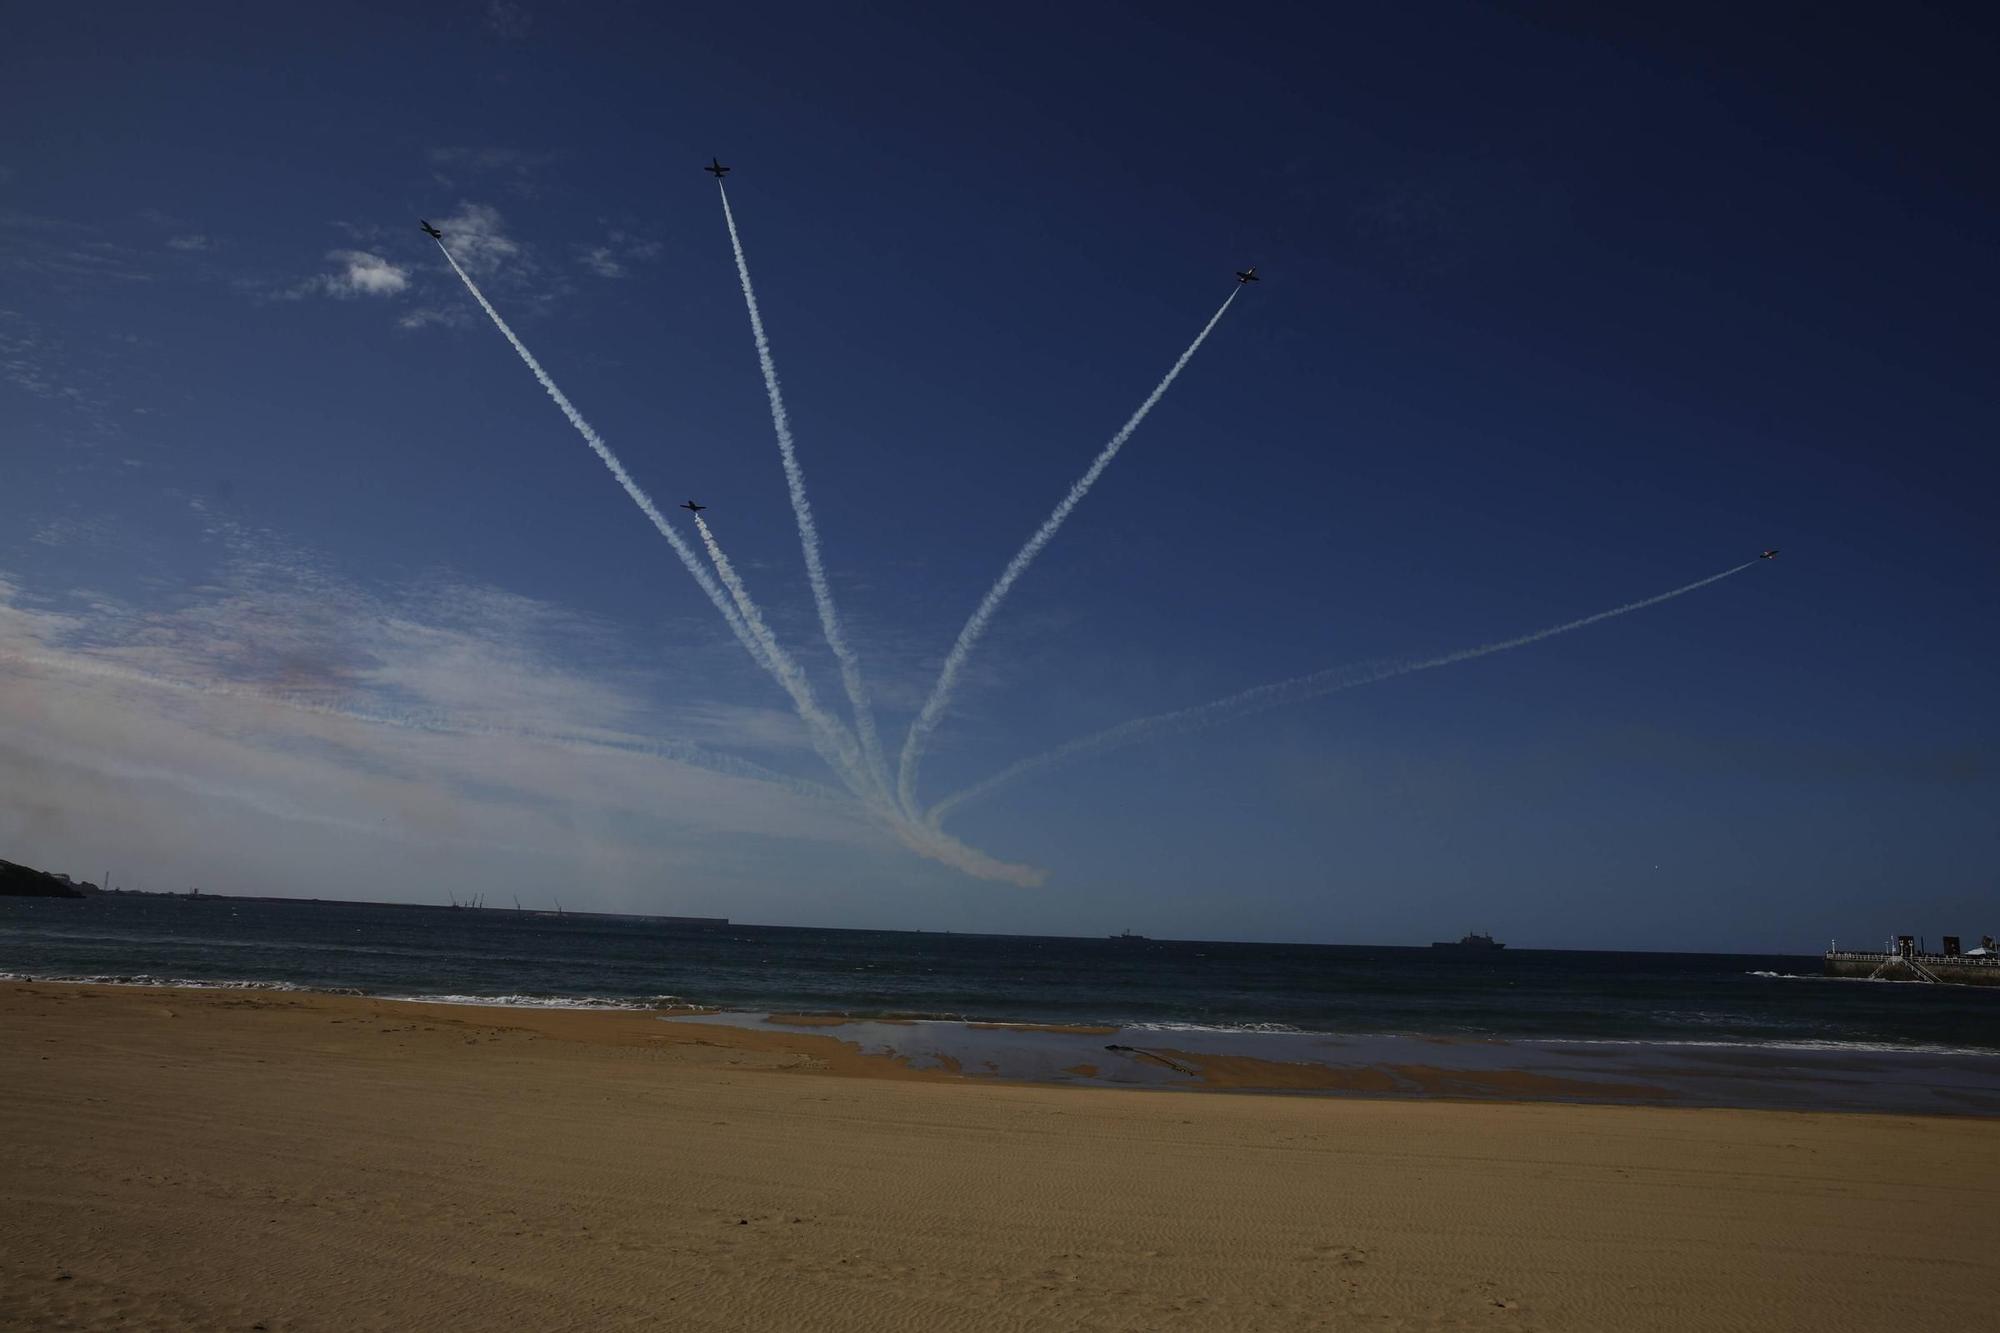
point(1248, 275)
point(431, 231)
point(716, 169)
point(693, 508)
point(1771, 554)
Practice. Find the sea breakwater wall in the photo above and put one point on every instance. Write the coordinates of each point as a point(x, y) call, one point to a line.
point(1958, 971)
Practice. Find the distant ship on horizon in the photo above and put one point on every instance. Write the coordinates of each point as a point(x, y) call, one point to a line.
point(1126, 935)
point(1477, 942)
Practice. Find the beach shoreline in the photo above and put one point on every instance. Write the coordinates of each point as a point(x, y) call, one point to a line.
point(217, 1159)
point(1263, 1058)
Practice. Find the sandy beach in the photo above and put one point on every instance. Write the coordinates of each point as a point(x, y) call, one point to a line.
point(244, 1160)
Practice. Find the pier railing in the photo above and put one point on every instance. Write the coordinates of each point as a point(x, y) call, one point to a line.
point(1930, 959)
point(1954, 969)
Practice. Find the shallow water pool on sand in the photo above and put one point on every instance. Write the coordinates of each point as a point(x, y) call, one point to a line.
point(1787, 1077)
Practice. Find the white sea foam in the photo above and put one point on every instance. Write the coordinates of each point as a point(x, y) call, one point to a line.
point(1816, 976)
point(1828, 1045)
point(1284, 1028)
point(748, 1018)
point(1823, 1044)
point(643, 1003)
point(140, 979)
point(176, 983)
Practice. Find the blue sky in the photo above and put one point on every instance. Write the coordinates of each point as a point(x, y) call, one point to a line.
point(308, 588)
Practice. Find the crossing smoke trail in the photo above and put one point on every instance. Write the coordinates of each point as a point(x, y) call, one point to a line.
point(1295, 690)
point(829, 736)
point(920, 838)
point(795, 482)
point(915, 835)
point(794, 680)
point(968, 638)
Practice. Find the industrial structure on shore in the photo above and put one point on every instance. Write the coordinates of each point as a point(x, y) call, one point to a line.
point(1909, 959)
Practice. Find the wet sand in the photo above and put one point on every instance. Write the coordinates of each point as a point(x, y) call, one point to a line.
point(217, 1160)
point(1797, 1077)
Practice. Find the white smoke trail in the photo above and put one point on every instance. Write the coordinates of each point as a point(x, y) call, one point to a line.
point(937, 845)
point(825, 728)
point(829, 736)
point(1295, 690)
point(968, 637)
point(922, 839)
point(795, 482)
point(610, 461)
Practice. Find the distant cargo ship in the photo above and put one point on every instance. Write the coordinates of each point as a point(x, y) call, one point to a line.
point(1477, 942)
point(1125, 935)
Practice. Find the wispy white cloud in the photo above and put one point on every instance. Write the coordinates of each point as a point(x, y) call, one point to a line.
point(508, 20)
point(478, 238)
point(35, 362)
point(74, 529)
point(189, 241)
point(617, 254)
point(516, 166)
point(66, 253)
point(452, 317)
point(280, 720)
point(22, 357)
point(356, 273)
point(599, 260)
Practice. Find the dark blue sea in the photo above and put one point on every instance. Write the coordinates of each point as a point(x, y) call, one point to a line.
point(504, 957)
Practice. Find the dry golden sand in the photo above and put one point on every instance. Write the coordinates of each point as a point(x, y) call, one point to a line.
point(209, 1160)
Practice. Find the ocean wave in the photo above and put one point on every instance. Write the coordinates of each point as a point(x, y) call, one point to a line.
point(141, 979)
point(1823, 1044)
point(1362, 1038)
point(1820, 1044)
point(175, 983)
point(1816, 976)
point(646, 1002)
point(1388, 1042)
point(919, 1017)
point(1815, 1044)
point(1158, 1028)
point(898, 1016)
point(1166, 1025)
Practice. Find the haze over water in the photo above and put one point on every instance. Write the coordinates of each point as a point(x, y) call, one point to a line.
point(506, 957)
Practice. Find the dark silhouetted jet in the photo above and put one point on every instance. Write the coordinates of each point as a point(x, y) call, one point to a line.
point(693, 508)
point(1771, 554)
point(1249, 275)
point(431, 231)
point(716, 169)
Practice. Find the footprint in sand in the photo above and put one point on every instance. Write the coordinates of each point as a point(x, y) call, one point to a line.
point(1350, 1255)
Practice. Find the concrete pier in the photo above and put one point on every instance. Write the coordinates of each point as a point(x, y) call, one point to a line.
point(1907, 964)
